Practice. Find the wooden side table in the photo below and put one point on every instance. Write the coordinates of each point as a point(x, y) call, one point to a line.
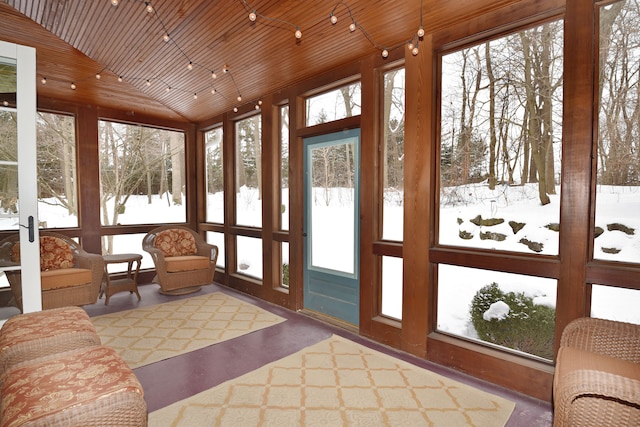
point(129, 283)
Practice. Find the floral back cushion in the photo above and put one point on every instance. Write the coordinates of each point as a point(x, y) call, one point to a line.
point(55, 253)
point(176, 242)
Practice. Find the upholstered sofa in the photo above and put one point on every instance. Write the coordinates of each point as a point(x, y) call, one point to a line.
point(183, 260)
point(597, 378)
point(69, 275)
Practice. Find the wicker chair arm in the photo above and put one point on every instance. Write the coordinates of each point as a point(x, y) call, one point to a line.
point(594, 384)
point(606, 337)
point(89, 261)
point(207, 249)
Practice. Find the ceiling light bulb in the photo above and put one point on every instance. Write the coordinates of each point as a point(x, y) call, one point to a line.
point(385, 53)
point(352, 27)
point(120, 79)
point(98, 76)
point(235, 109)
point(252, 16)
point(195, 96)
point(214, 75)
point(257, 107)
point(260, 102)
point(165, 37)
point(168, 88)
point(114, 2)
point(225, 69)
point(298, 33)
point(190, 66)
point(239, 98)
point(414, 51)
point(148, 82)
point(421, 32)
point(44, 80)
point(213, 91)
point(5, 103)
point(410, 46)
point(334, 19)
point(73, 86)
point(149, 7)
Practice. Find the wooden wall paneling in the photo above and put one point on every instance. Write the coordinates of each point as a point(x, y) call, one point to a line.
point(418, 179)
point(577, 129)
point(526, 376)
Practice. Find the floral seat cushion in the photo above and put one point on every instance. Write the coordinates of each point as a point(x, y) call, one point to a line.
point(176, 242)
point(55, 253)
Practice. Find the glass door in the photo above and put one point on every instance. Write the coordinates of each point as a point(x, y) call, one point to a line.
point(18, 173)
point(332, 227)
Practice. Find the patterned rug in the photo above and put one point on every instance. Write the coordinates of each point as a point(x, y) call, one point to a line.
point(338, 383)
point(150, 334)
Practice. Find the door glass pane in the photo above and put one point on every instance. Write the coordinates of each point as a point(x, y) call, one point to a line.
point(393, 155)
point(8, 169)
point(142, 175)
point(332, 207)
point(249, 172)
point(617, 233)
point(501, 142)
point(334, 105)
point(8, 81)
point(215, 175)
point(513, 311)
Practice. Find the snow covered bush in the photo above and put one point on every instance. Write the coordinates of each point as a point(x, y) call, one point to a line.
point(513, 320)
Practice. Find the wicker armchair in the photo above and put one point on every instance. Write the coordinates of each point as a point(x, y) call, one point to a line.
point(69, 275)
point(597, 379)
point(183, 260)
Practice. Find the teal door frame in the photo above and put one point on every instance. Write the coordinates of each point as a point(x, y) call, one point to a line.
point(333, 292)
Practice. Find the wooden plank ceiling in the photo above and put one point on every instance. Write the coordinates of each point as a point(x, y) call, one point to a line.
point(77, 39)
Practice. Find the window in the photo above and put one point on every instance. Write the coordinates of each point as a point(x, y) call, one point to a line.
point(500, 143)
point(617, 222)
point(56, 164)
point(249, 256)
point(249, 172)
point(284, 167)
point(141, 174)
point(508, 310)
point(334, 105)
point(57, 183)
point(217, 239)
point(499, 177)
point(215, 175)
point(392, 287)
point(393, 155)
point(620, 304)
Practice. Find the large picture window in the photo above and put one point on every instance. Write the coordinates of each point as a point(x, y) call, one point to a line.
point(141, 174)
point(500, 143)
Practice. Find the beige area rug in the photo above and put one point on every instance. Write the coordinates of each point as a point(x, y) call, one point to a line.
point(149, 334)
point(338, 383)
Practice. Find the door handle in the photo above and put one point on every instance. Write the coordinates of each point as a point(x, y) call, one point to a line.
point(31, 229)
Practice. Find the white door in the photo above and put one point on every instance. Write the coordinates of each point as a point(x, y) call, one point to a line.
point(18, 172)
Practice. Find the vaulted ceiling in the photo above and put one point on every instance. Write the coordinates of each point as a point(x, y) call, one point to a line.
point(77, 39)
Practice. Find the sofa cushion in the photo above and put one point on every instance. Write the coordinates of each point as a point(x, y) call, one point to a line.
point(65, 278)
point(54, 253)
point(176, 242)
point(186, 263)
